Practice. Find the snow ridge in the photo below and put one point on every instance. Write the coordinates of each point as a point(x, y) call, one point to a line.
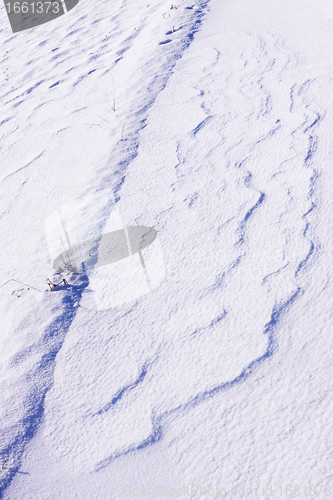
point(31, 368)
point(37, 379)
point(223, 163)
point(293, 265)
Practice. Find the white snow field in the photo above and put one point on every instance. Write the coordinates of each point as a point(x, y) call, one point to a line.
point(212, 124)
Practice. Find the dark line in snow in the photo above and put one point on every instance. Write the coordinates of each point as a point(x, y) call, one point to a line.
point(124, 390)
point(201, 125)
point(25, 166)
point(241, 227)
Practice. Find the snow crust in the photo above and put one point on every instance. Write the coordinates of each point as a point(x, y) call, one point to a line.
point(212, 124)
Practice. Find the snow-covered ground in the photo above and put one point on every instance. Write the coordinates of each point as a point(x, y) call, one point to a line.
point(211, 123)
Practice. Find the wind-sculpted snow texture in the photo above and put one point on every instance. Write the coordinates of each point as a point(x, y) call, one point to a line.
point(229, 189)
point(44, 164)
point(222, 154)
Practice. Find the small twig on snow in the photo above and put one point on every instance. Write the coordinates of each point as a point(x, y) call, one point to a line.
point(49, 282)
point(21, 284)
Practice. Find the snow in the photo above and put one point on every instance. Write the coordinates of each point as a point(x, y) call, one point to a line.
point(211, 124)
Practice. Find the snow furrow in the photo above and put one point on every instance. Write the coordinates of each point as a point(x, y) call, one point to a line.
point(222, 149)
point(78, 58)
